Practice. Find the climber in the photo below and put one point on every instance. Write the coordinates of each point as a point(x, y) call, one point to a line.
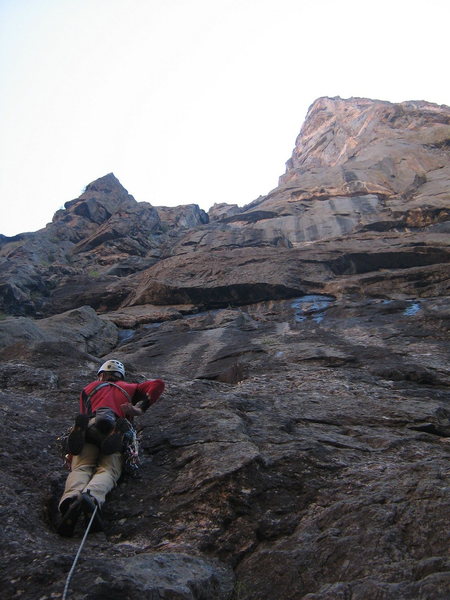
point(107, 408)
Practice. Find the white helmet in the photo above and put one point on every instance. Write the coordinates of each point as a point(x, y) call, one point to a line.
point(113, 365)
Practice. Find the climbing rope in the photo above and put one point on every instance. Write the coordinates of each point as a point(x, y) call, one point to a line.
point(69, 576)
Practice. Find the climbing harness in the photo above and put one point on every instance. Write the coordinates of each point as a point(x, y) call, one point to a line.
point(130, 448)
point(71, 572)
point(130, 443)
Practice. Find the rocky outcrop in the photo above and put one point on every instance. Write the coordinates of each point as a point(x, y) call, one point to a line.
point(300, 450)
point(185, 217)
point(383, 175)
point(362, 144)
point(358, 164)
point(221, 211)
point(375, 164)
point(221, 278)
point(79, 328)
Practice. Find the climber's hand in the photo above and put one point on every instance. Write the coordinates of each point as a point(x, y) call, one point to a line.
point(130, 411)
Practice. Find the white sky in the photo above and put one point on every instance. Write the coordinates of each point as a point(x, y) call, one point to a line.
point(190, 101)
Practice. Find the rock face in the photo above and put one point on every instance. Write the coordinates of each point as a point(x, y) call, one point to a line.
point(300, 450)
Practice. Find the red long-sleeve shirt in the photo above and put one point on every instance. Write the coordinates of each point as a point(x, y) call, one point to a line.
point(111, 397)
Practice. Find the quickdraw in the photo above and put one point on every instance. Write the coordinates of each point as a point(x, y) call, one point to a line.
point(131, 462)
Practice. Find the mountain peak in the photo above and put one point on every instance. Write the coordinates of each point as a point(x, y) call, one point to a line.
point(107, 184)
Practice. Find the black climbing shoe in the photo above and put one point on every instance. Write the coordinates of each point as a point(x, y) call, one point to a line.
point(70, 510)
point(77, 436)
point(112, 443)
point(88, 505)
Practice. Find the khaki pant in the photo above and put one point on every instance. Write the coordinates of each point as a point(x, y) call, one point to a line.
point(93, 471)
